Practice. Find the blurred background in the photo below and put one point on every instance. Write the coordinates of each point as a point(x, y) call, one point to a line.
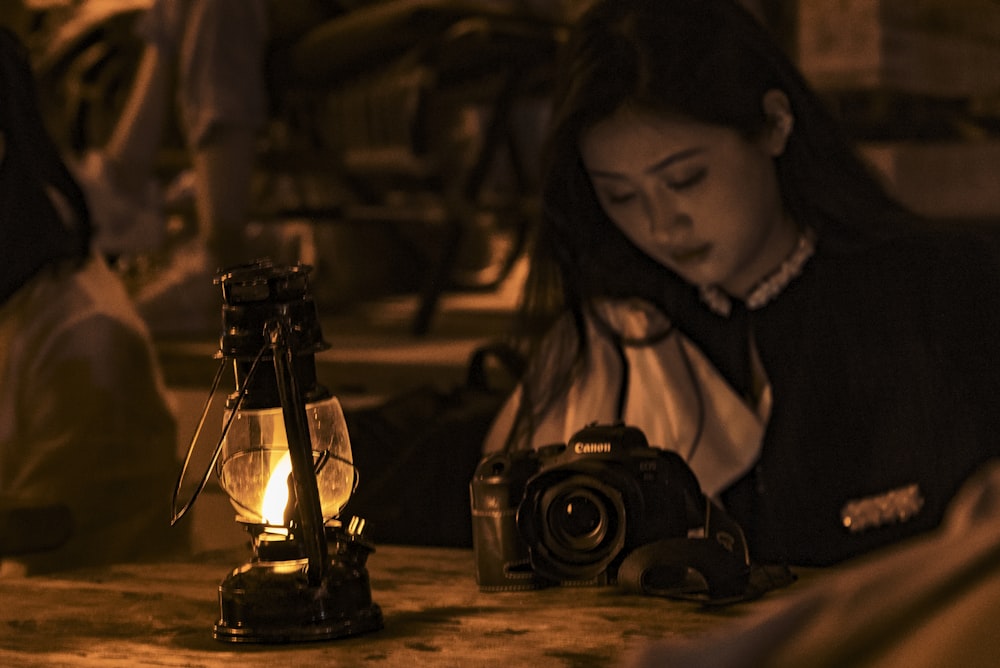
point(400, 152)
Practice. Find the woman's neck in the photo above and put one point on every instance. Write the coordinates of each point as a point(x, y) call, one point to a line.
point(771, 284)
point(776, 247)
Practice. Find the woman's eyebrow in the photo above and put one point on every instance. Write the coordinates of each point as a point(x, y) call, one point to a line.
point(674, 157)
point(656, 166)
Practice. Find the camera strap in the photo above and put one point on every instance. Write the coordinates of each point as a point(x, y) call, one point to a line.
point(714, 569)
point(697, 569)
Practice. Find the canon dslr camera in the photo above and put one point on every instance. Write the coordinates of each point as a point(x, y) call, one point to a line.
point(572, 513)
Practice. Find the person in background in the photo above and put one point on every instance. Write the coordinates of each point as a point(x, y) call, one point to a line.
point(213, 57)
point(85, 424)
point(209, 58)
point(716, 266)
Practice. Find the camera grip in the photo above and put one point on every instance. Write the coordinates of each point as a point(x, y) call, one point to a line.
point(502, 561)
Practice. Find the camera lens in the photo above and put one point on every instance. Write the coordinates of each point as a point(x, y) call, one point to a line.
point(580, 523)
point(574, 523)
point(578, 520)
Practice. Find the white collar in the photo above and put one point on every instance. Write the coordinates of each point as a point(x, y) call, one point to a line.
point(768, 287)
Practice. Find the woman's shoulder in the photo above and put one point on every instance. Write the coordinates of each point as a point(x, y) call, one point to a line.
point(64, 299)
point(924, 255)
point(937, 280)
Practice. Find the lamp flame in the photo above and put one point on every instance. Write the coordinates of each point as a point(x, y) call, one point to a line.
point(276, 493)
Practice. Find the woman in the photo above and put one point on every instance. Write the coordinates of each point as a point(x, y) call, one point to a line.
point(720, 270)
point(84, 422)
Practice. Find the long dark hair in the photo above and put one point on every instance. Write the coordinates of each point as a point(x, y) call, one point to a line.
point(710, 61)
point(43, 213)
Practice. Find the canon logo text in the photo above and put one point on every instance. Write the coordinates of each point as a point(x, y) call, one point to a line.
point(591, 448)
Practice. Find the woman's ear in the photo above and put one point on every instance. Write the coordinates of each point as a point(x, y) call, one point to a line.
point(780, 121)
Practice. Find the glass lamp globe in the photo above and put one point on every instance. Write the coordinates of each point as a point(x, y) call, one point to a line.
point(254, 464)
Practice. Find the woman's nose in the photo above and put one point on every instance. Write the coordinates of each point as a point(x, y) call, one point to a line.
point(663, 215)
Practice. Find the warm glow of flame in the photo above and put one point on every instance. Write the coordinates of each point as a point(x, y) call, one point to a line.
point(276, 493)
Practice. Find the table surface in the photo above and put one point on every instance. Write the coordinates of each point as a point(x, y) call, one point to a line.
point(162, 614)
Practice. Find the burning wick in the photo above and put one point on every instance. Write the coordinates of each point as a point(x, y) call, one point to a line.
point(276, 493)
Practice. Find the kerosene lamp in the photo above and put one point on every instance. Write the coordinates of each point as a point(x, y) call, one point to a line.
point(284, 458)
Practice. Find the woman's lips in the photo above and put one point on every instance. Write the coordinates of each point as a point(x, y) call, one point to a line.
point(689, 254)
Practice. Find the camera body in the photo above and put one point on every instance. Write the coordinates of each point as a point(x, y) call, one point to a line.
point(570, 513)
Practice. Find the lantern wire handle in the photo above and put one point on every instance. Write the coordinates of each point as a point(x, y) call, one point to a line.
point(178, 514)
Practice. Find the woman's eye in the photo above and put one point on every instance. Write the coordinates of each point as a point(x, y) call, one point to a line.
point(687, 180)
point(619, 197)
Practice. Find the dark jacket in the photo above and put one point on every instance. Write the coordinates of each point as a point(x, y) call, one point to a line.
point(885, 374)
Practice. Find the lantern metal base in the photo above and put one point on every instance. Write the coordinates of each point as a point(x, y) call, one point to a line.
point(274, 602)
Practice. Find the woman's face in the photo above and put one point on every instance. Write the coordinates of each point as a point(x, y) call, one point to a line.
point(699, 199)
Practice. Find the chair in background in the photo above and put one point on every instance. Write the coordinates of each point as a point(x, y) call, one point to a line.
point(421, 113)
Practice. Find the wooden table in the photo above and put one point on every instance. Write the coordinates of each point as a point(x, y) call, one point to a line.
point(162, 614)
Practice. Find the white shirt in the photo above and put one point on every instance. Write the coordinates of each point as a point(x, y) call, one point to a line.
point(674, 395)
point(84, 419)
